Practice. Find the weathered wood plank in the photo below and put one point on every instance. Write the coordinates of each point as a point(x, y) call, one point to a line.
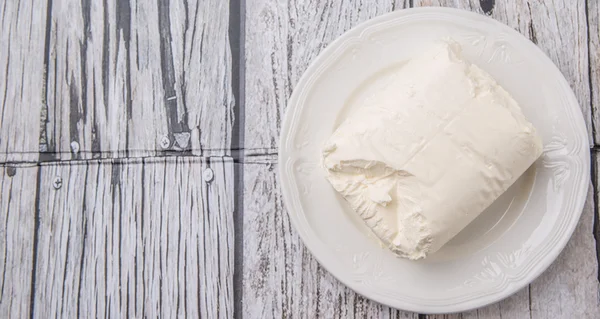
point(136, 78)
point(21, 78)
point(135, 239)
point(17, 228)
point(282, 38)
point(593, 21)
point(281, 278)
point(559, 28)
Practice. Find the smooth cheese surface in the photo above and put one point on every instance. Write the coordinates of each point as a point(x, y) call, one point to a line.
point(426, 155)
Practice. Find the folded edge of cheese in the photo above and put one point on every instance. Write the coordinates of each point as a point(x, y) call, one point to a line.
point(424, 156)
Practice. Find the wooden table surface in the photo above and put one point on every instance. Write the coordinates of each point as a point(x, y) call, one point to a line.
point(138, 157)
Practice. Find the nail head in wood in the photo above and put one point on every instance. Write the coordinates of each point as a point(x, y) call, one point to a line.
point(208, 175)
point(165, 142)
point(57, 182)
point(75, 147)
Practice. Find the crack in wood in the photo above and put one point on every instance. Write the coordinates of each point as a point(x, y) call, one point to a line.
point(105, 57)
point(45, 145)
point(177, 121)
point(237, 47)
point(66, 261)
point(75, 116)
point(596, 226)
point(4, 264)
point(36, 236)
point(593, 107)
point(83, 244)
point(123, 18)
point(532, 32)
point(135, 153)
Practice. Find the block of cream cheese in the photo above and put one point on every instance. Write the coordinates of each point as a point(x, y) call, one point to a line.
point(429, 152)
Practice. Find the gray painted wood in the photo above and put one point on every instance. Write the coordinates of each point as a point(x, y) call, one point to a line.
point(132, 239)
point(21, 78)
point(135, 78)
point(281, 278)
point(282, 38)
point(17, 229)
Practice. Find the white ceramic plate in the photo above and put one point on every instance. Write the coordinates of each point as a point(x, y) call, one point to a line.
point(505, 248)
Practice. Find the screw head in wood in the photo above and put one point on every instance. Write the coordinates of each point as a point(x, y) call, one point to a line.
point(165, 142)
point(208, 175)
point(57, 183)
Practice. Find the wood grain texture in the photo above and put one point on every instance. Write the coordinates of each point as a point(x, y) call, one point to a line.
point(282, 38)
point(135, 239)
point(137, 78)
point(559, 28)
point(21, 62)
point(17, 228)
point(593, 20)
point(281, 278)
point(514, 307)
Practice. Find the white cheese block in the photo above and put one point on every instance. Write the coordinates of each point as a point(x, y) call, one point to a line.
point(430, 152)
